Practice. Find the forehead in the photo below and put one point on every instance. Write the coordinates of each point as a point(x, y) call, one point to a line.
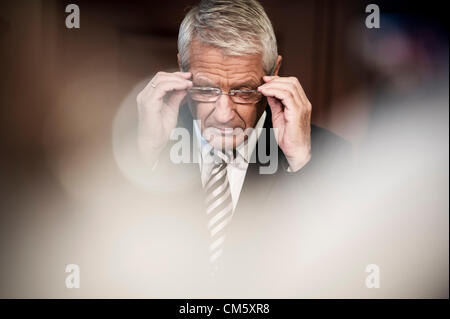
point(208, 63)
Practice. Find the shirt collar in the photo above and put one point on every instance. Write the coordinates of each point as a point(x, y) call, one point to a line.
point(243, 150)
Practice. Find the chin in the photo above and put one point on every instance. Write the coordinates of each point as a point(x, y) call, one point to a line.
point(225, 142)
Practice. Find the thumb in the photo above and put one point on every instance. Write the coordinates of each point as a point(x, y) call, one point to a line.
point(275, 105)
point(176, 98)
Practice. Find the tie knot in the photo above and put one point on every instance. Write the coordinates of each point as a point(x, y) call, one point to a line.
point(221, 157)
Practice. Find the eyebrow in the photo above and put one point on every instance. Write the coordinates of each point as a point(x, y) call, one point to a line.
point(201, 81)
point(248, 83)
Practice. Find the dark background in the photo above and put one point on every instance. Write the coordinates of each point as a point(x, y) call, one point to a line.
point(90, 70)
point(60, 90)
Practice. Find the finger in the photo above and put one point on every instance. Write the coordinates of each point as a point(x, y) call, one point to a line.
point(172, 107)
point(172, 85)
point(186, 75)
point(178, 73)
point(268, 78)
point(291, 81)
point(275, 106)
point(296, 82)
point(155, 98)
point(149, 92)
point(285, 86)
point(176, 97)
point(286, 97)
point(165, 76)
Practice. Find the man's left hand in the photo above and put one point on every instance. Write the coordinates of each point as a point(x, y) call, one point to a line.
point(291, 117)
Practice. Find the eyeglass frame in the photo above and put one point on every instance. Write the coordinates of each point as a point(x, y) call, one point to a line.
point(230, 93)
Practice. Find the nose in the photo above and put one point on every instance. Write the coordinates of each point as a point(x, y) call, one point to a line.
point(224, 110)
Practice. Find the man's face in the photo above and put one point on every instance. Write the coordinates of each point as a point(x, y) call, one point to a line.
point(211, 68)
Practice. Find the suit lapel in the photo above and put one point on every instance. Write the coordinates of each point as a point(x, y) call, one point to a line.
point(258, 185)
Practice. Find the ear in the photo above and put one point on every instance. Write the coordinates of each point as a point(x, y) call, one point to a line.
point(277, 65)
point(178, 60)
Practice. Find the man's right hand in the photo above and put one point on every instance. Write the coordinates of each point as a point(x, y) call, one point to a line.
point(158, 105)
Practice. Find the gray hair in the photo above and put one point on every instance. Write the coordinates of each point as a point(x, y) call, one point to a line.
point(237, 27)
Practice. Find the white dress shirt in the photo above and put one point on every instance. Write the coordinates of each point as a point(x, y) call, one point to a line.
point(237, 169)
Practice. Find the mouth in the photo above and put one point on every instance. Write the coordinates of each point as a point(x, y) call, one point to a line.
point(225, 131)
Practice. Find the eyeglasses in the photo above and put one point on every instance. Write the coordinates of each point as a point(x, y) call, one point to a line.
point(211, 95)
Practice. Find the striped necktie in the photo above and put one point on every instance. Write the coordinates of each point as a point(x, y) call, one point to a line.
point(219, 204)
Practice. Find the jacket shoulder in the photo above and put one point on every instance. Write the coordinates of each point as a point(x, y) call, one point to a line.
point(326, 146)
point(320, 136)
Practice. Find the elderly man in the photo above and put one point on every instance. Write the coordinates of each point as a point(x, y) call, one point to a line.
point(227, 92)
